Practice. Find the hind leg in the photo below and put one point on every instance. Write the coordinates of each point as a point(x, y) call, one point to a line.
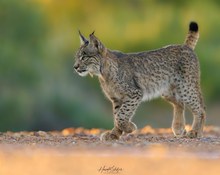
point(194, 101)
point(178, 123)
point(199, 117)
point(198, 124)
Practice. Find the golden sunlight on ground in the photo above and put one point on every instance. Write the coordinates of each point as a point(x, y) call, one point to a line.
point(78, 151)
point(51, 162)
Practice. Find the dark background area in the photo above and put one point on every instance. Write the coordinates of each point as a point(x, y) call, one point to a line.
point(39, 89)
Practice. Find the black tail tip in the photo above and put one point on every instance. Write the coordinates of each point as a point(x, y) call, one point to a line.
point(193, 26)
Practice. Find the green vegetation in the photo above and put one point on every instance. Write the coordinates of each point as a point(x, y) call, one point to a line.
point(38, 39)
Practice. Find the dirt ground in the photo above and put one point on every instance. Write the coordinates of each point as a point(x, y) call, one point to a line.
point(78, 151)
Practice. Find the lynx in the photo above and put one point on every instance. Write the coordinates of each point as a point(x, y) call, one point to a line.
point(127, 79)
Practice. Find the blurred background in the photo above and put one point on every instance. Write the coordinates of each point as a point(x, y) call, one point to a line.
point(39, 89)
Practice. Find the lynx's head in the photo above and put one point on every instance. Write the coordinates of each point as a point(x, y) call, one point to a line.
point(88, 57)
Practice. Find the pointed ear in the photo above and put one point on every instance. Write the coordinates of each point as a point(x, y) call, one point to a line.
point(96, 43)
point(83, 40)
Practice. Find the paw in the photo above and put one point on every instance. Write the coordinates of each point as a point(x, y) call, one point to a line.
point(127, 127)
point(194, 134)
point(109, 136)
point(179, 132)
point(130, 127)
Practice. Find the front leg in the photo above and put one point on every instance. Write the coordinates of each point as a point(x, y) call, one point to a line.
point(123, 117)
point(115, 133)
point(123, 113)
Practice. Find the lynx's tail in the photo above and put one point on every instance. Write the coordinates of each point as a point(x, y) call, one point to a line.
point(193, 35)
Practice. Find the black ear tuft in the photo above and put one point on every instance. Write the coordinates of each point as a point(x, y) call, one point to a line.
point(83, 40)
point(92, 34)
point(193, 26)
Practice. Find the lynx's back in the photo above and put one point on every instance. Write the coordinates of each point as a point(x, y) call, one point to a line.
point(153, 72)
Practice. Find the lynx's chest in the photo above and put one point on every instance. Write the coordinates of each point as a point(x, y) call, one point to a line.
point(109, 88)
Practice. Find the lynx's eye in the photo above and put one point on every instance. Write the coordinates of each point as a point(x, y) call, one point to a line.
point(83, 58)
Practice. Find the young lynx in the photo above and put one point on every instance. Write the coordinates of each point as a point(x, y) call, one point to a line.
point(127, 79)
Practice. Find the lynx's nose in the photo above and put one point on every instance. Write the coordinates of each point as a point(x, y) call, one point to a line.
point(76, 66)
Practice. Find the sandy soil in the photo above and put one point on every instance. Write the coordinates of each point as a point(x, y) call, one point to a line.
point(78, 151)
